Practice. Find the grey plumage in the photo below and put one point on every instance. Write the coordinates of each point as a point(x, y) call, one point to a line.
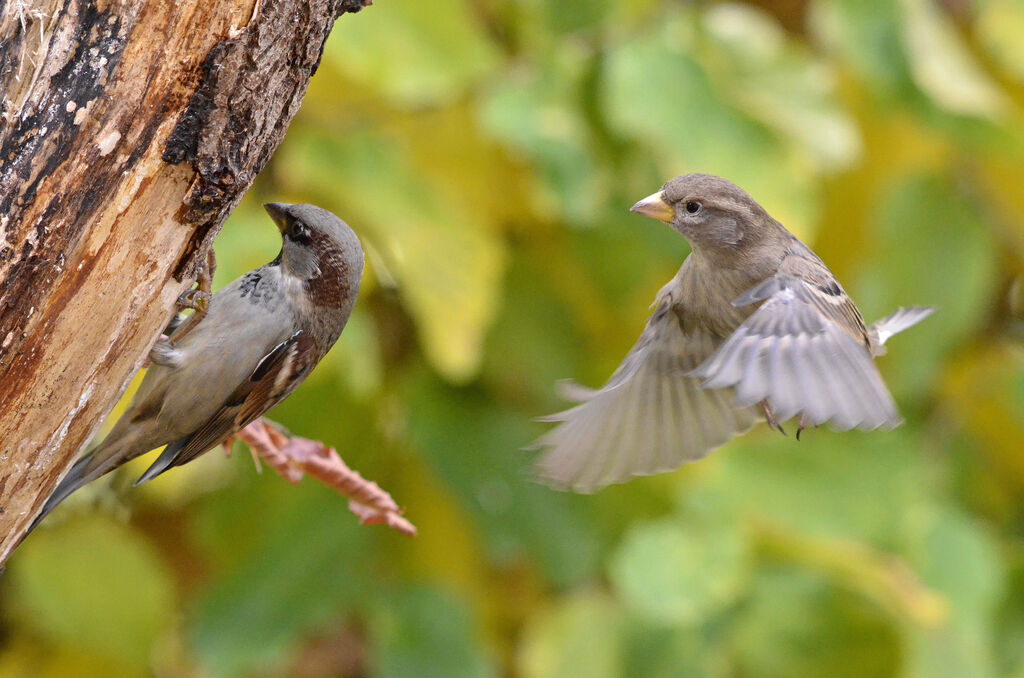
point(752, 319)
point(261, 336)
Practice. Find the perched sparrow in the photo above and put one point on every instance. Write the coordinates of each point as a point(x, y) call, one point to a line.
point(753, 325)
point(260, 337)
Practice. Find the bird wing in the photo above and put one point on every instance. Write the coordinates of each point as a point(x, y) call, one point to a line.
point(275, 377)
point(806, 350)
point(649, 418)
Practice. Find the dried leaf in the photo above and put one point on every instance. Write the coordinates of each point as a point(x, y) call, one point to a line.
point(295, 457)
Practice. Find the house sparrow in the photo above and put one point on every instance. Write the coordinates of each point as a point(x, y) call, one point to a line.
point(260, 337)
point(753, 325)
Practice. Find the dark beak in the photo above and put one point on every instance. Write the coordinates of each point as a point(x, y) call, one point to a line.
point(278, 211)
point(655, 207)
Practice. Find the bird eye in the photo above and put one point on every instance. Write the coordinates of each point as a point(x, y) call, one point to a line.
point(693, 207)
point(299, 232)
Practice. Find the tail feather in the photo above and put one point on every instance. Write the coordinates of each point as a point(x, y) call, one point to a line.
point(166, 460)
point(122, 444)
point(78, 476)
point(894, 323)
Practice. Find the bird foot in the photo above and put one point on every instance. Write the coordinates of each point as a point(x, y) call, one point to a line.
point(197, 299)
point(770, 418)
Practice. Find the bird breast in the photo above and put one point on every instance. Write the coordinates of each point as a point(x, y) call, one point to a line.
point(703, 297)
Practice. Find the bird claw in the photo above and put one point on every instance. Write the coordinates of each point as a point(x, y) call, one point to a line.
point(770, 418)
point(198, 299)
point(803, 425)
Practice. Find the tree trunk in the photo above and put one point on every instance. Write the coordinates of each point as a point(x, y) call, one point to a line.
point(129, 131)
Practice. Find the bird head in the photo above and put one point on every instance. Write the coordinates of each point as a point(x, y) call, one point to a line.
point(318, 249)
point(710, 212)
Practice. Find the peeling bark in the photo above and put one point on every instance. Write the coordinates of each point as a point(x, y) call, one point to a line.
point(128, 132)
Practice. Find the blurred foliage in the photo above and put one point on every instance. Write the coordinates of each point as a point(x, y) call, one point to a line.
point(486, 152)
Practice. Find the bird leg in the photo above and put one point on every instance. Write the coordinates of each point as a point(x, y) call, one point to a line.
point(770, 418)
point(198, 299)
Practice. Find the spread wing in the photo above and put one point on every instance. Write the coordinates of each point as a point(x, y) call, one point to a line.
point(275, 377)
point(807, 351)
point(650, 417)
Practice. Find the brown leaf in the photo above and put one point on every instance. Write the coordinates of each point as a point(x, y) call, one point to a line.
point(294, 457)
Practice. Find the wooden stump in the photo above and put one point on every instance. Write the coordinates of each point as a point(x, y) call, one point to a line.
point(128, 132)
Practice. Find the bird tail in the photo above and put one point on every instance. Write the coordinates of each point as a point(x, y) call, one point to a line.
point(79, 475)
point(111, 453)
point(894, 323)
point(167, 459)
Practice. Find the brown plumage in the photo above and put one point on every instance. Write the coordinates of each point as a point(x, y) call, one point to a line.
point(753, 325)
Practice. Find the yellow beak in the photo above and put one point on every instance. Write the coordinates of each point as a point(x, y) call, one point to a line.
point(655, 207)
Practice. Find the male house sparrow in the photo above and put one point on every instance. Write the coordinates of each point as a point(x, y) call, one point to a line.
point(752, 325)
point(260, 337)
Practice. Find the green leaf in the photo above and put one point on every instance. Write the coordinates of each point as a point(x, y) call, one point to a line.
point(536, 112)
point(780, 83)
point(475, 448)
point(797, 625)
point(424, 632)
point(943, 67)
point(865, 34)
point(96, 585)
point(999, 25)
point(680, 572)
point(850, 485)
point(448, 266)
point(304, 573)
point(955, 557)
point(248, 240)
point(414, 53)
point(572, 15)
point(1009, 624)
point(931, 248)
point(581, 635)
point(530, 346)
point(657, 92)
point(671, 652)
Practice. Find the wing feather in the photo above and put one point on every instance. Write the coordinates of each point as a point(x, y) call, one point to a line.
point(806, 351)
point(273, 379)
point(650, 417)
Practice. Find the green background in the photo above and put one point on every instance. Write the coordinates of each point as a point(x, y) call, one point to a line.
point(487, 153)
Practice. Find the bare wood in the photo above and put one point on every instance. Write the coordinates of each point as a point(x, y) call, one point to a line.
point(129, 132)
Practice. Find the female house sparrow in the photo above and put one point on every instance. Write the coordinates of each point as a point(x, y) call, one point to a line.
point(752, 324)
point(260, 337)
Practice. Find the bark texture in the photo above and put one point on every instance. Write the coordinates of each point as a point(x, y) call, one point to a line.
point(128, 132)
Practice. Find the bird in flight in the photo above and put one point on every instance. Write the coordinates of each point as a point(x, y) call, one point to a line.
point(753, 326)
